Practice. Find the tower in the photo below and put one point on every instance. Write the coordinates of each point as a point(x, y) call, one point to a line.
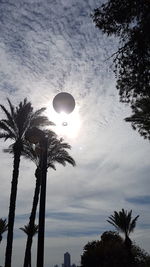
point(67, 260)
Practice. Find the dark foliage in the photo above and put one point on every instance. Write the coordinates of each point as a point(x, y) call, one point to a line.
point(123, 221)
point(110, 251)
point(128, 20)
point(111, 236)
point(28, 231)
point(141, 257)
point(140, 119)
point(3, 227)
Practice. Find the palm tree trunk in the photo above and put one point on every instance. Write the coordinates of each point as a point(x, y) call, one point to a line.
point(12, 206)
point(128, 244)
point(30, 260)
point(32, 217)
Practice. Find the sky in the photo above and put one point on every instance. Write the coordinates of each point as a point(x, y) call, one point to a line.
point(47, 47)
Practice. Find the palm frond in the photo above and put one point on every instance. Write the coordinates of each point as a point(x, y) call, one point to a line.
point(42, 121)
point(122, 221)
point(11, 126)
point(115, 220)
point(3, 225)
point(22, 105)
point(52, 166)
point(64, 156)
point(27, 230)
point(8, 115)
point(19, 119)
point(56, 151)
point(5, 127)
point(50, 134)
point(29, 152)
point(60, 161)
point(133, 224)
point(23, 117)
point(12, 108)
point(6, 136)
point(38, 112)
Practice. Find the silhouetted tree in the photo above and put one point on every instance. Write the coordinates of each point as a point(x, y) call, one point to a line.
point(111, 236)
point(56, 154)
point(140, 118)
point(110, 251)
point(27, 230)
point(3, 227)
point(128, 20)
point(123, 222)
point(18, 120)
point(141, 257)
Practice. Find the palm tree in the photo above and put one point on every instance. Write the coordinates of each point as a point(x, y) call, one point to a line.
point(27, 230)
point(56, 153)
point(3, 227)
point(18, 121)
point(123, 222)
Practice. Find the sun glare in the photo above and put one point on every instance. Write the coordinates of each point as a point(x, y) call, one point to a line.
point(67, 125)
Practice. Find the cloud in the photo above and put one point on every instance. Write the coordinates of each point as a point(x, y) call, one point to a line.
point(139, 200)
point(47, 47)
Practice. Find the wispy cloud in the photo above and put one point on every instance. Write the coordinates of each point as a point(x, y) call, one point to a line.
point(52, 46)
point(139, 200)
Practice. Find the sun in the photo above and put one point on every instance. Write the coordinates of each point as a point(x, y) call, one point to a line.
point(66, 125)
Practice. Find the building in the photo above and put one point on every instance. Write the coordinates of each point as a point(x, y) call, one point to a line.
point(67, 260)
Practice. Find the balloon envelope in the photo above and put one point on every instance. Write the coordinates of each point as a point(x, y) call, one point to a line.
point(64, 102)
